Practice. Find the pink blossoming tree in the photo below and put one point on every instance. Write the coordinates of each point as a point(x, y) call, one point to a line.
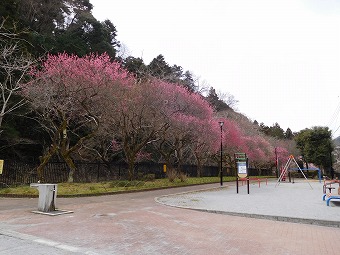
point(70, 95)
point(186, 114)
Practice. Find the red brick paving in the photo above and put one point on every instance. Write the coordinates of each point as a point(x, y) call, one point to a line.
point(135, 224)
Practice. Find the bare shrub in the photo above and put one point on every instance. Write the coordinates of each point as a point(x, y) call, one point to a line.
point(171, 174)
point(182, 176)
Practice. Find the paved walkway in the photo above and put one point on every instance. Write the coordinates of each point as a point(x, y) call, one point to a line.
point(294, 202)
point(135, 224)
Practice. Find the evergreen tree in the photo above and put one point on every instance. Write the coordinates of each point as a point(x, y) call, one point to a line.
point(159, 68)
point(276, 131)
point(316, 145)
point(264, 129)
point(289, 134)
point(60, 26)
point(215, 101)
point(188, 82)
point(135, 66)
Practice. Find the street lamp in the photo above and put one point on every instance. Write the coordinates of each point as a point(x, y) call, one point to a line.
point(221, 171)
point(276, 164)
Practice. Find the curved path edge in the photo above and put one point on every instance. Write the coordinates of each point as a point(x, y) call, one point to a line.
point(325, 223)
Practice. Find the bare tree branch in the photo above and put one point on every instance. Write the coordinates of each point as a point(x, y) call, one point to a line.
point(14, 67)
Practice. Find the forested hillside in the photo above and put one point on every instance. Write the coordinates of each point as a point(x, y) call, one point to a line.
point(67, 95)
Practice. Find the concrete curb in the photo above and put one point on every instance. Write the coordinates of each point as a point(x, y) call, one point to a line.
point(325, 223)
point(104, 193)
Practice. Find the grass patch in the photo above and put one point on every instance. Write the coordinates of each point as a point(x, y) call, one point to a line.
point(74, 189)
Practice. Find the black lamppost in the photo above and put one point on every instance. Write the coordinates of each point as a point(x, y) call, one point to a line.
point(276, 164)
point(221, 171)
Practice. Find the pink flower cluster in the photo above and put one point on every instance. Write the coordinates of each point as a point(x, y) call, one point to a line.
point(75, 87)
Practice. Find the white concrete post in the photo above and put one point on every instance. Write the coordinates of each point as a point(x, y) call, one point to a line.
point(47, 196)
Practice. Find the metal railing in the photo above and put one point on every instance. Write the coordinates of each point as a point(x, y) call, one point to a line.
point(18, 173)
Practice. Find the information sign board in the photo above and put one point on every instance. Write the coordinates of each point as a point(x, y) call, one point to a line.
point(242, 170)
point(240, 156)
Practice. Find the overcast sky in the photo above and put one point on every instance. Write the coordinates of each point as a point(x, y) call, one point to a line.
point(279, 58)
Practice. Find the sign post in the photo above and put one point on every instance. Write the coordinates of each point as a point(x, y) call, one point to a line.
point(1, 165)
point(241, 161)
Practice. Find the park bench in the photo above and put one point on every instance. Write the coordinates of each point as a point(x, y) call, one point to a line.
point(328, 185)
point(329, 197)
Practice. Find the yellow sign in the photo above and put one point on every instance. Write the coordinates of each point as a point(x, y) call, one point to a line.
point(1, 165)
point(164, 168)
point(242, 175)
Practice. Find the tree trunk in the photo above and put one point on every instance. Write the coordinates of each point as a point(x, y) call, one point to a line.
point(1, 118)
point(72, 167)
point(70, 176)
point(131, 170)
point(43, 162)
point(199, 167)
point(131, 158)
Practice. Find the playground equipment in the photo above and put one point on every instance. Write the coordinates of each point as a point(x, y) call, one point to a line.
point(327, 184)
point(287, 169)
point(244, 180)
point(241, 161)
point(330, 196)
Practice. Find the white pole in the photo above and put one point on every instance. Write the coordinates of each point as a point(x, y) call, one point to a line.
point(283, 171)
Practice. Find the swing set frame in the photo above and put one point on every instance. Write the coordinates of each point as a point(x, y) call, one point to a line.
point(287, 169)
